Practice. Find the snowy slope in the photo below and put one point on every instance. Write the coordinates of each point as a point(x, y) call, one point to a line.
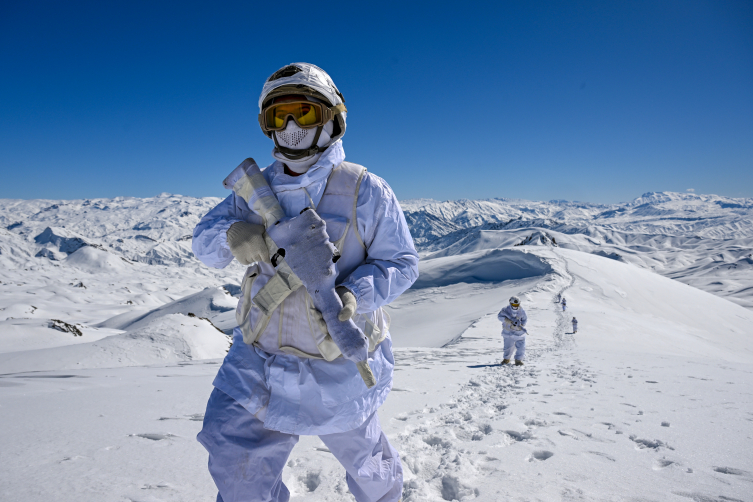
point(111, 333)
point(649, 401)
point(85, 262)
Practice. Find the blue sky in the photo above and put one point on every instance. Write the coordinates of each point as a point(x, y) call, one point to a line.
point(593, 101)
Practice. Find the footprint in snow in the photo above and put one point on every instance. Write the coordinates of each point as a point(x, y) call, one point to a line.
point(196, 417)
point(156, 487)
point(535, 423)
point(437, 441)
point(72, 459)
point(539, 455)
point(654, 444)
point(484, 430)
point(732, 471)
point(453, 489)
point(662, 463)
point(602, 455)
point(153, 436)
point(518, 436)
point(311, 480)
point(568, 434)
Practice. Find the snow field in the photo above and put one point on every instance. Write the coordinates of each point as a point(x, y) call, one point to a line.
point(650, 400)
point(115, 434)
point(582, 420)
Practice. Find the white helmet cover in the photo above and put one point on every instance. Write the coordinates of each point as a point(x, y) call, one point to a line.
point(309, 80)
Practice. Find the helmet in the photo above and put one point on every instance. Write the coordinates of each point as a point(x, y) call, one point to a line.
point(514, 301)
point(311, 81)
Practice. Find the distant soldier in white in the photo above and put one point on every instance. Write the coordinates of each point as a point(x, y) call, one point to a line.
point(575, 325)
point(564, 304)
point(284, 375)
point(514, 321)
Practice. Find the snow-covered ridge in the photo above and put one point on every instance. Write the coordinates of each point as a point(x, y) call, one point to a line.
point(702, 240)
point(668, 213)
point(158, 229)
point(154, 230)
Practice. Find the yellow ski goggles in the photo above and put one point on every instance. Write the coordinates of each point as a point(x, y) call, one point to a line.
point(306, 114)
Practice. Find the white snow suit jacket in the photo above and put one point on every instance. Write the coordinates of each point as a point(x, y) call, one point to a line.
point(513, 321)
point(283, 374)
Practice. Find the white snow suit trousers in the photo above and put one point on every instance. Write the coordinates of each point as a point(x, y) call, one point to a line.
point(246, 460)
point(514, 343)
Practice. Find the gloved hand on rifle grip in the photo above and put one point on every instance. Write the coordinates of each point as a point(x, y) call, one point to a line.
point(246, 242)
point(349, 303)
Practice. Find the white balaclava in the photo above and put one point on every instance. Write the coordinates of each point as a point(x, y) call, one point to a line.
point(297, 138)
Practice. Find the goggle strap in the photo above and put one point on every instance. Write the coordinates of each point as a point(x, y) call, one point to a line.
point(329, 113)
point(338, 109)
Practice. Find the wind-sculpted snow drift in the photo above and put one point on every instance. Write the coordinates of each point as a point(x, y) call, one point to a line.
point(487, 266)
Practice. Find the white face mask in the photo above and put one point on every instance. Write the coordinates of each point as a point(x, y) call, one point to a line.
point(296, 138)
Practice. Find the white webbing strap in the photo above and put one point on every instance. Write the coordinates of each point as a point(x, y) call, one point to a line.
point(311, 201)
point(355, 208)
point(279, 287)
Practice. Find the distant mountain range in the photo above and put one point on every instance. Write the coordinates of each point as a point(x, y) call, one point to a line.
point(702, 240)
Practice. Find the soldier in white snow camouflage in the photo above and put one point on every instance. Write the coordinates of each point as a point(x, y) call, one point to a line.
point(283, 377)
point(514, 320)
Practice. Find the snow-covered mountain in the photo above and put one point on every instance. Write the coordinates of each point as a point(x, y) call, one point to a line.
point(87, 261)
point(661, 213)
point(111, 332)
point(702, 240)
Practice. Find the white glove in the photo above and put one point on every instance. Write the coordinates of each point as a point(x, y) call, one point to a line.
point(349, 303)
point(246, 242)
